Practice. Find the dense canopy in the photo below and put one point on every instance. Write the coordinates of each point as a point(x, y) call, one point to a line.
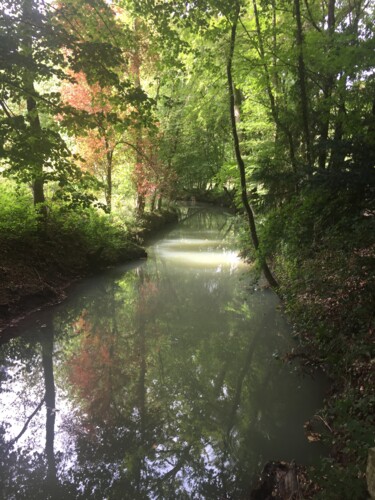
point(114, 110)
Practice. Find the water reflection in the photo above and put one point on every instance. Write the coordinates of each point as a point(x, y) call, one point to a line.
point(154, 381)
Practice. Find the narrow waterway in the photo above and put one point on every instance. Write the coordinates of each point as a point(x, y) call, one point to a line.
point(155, 380)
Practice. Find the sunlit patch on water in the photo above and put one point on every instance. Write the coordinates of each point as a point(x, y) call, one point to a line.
point(201, 253)
point(204, 259)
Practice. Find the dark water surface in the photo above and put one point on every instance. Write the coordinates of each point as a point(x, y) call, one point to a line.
point(155, 380)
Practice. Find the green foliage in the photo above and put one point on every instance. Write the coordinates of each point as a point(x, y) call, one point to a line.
point(342, 476)
point(17, 215)
point(344, 482)
point(315, 220)
point(322, 242)
point(76, 189)
point(306, 119)
point(195, 135)
point(80, 226)
point(41, 47)
point(87, 227)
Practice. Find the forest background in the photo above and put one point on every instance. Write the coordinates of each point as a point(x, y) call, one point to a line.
point(111, 111)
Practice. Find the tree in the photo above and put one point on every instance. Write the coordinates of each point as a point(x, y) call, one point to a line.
point(31, 55)
point(36, 51)
point(241, 166)
point(99, 130)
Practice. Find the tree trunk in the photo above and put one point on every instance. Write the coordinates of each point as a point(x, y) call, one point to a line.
point(109, 188)
point(32, 109)
point(36, 130)
point(303, 89)
point(136, 70)
point(280, 125)
point(338, 152)
point(240, 163)
point(327, 92)
point(108, 194)
point(160, 202)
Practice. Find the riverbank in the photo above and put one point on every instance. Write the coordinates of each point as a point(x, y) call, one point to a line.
point(321, 248)
point(184, 323)
point(37, 267)
point(330, 301)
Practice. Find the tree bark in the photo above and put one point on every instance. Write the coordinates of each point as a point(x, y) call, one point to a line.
point(109, 156)
point(240, 163)
point(136, 70)
point(303, 89)
point(31, 106)
point(338, 152)
point(327, 92)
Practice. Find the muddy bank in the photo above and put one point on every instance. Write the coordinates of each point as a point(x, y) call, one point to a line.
point(36, 272)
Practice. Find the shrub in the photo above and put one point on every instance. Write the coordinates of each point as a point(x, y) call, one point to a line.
point(17, 215)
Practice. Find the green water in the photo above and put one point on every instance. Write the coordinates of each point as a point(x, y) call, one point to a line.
point(155, 380)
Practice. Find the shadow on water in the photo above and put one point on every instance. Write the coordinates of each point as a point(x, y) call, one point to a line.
point(156, 380)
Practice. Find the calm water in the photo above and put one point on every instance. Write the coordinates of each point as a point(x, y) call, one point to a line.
point(155, 380)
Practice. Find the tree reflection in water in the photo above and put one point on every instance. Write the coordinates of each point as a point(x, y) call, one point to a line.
point(166, 384)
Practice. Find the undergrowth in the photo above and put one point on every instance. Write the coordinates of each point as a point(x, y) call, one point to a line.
point(322, 249)
point(87, 228)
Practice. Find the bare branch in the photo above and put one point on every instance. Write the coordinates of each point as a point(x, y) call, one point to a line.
point(24, 428)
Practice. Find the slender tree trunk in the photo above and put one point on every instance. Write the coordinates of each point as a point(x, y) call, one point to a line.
point(160, 202)
point(327, 92)
point(31, 106)
point(303, 89)
point(109, 154)
point(153, 201)
point(240, 163)
point(338, 152)
point(136, 70)
point(109, 187)
point(36, 130)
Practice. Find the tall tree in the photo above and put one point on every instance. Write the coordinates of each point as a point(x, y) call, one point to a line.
point(36, 51)
point(304, 104)
point(98, 131)
point(240, 163)
point(28, 15)
point(31, 56)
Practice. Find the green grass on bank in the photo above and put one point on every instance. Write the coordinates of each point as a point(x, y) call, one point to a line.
point(87, 231)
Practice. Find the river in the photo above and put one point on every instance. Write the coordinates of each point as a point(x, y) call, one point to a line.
point(159, 379)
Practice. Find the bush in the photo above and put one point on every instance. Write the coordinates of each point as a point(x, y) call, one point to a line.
point(17, 215)
point(79, 238)
point(87, 224)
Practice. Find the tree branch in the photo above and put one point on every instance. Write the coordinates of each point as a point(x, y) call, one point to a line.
point(24, 428)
